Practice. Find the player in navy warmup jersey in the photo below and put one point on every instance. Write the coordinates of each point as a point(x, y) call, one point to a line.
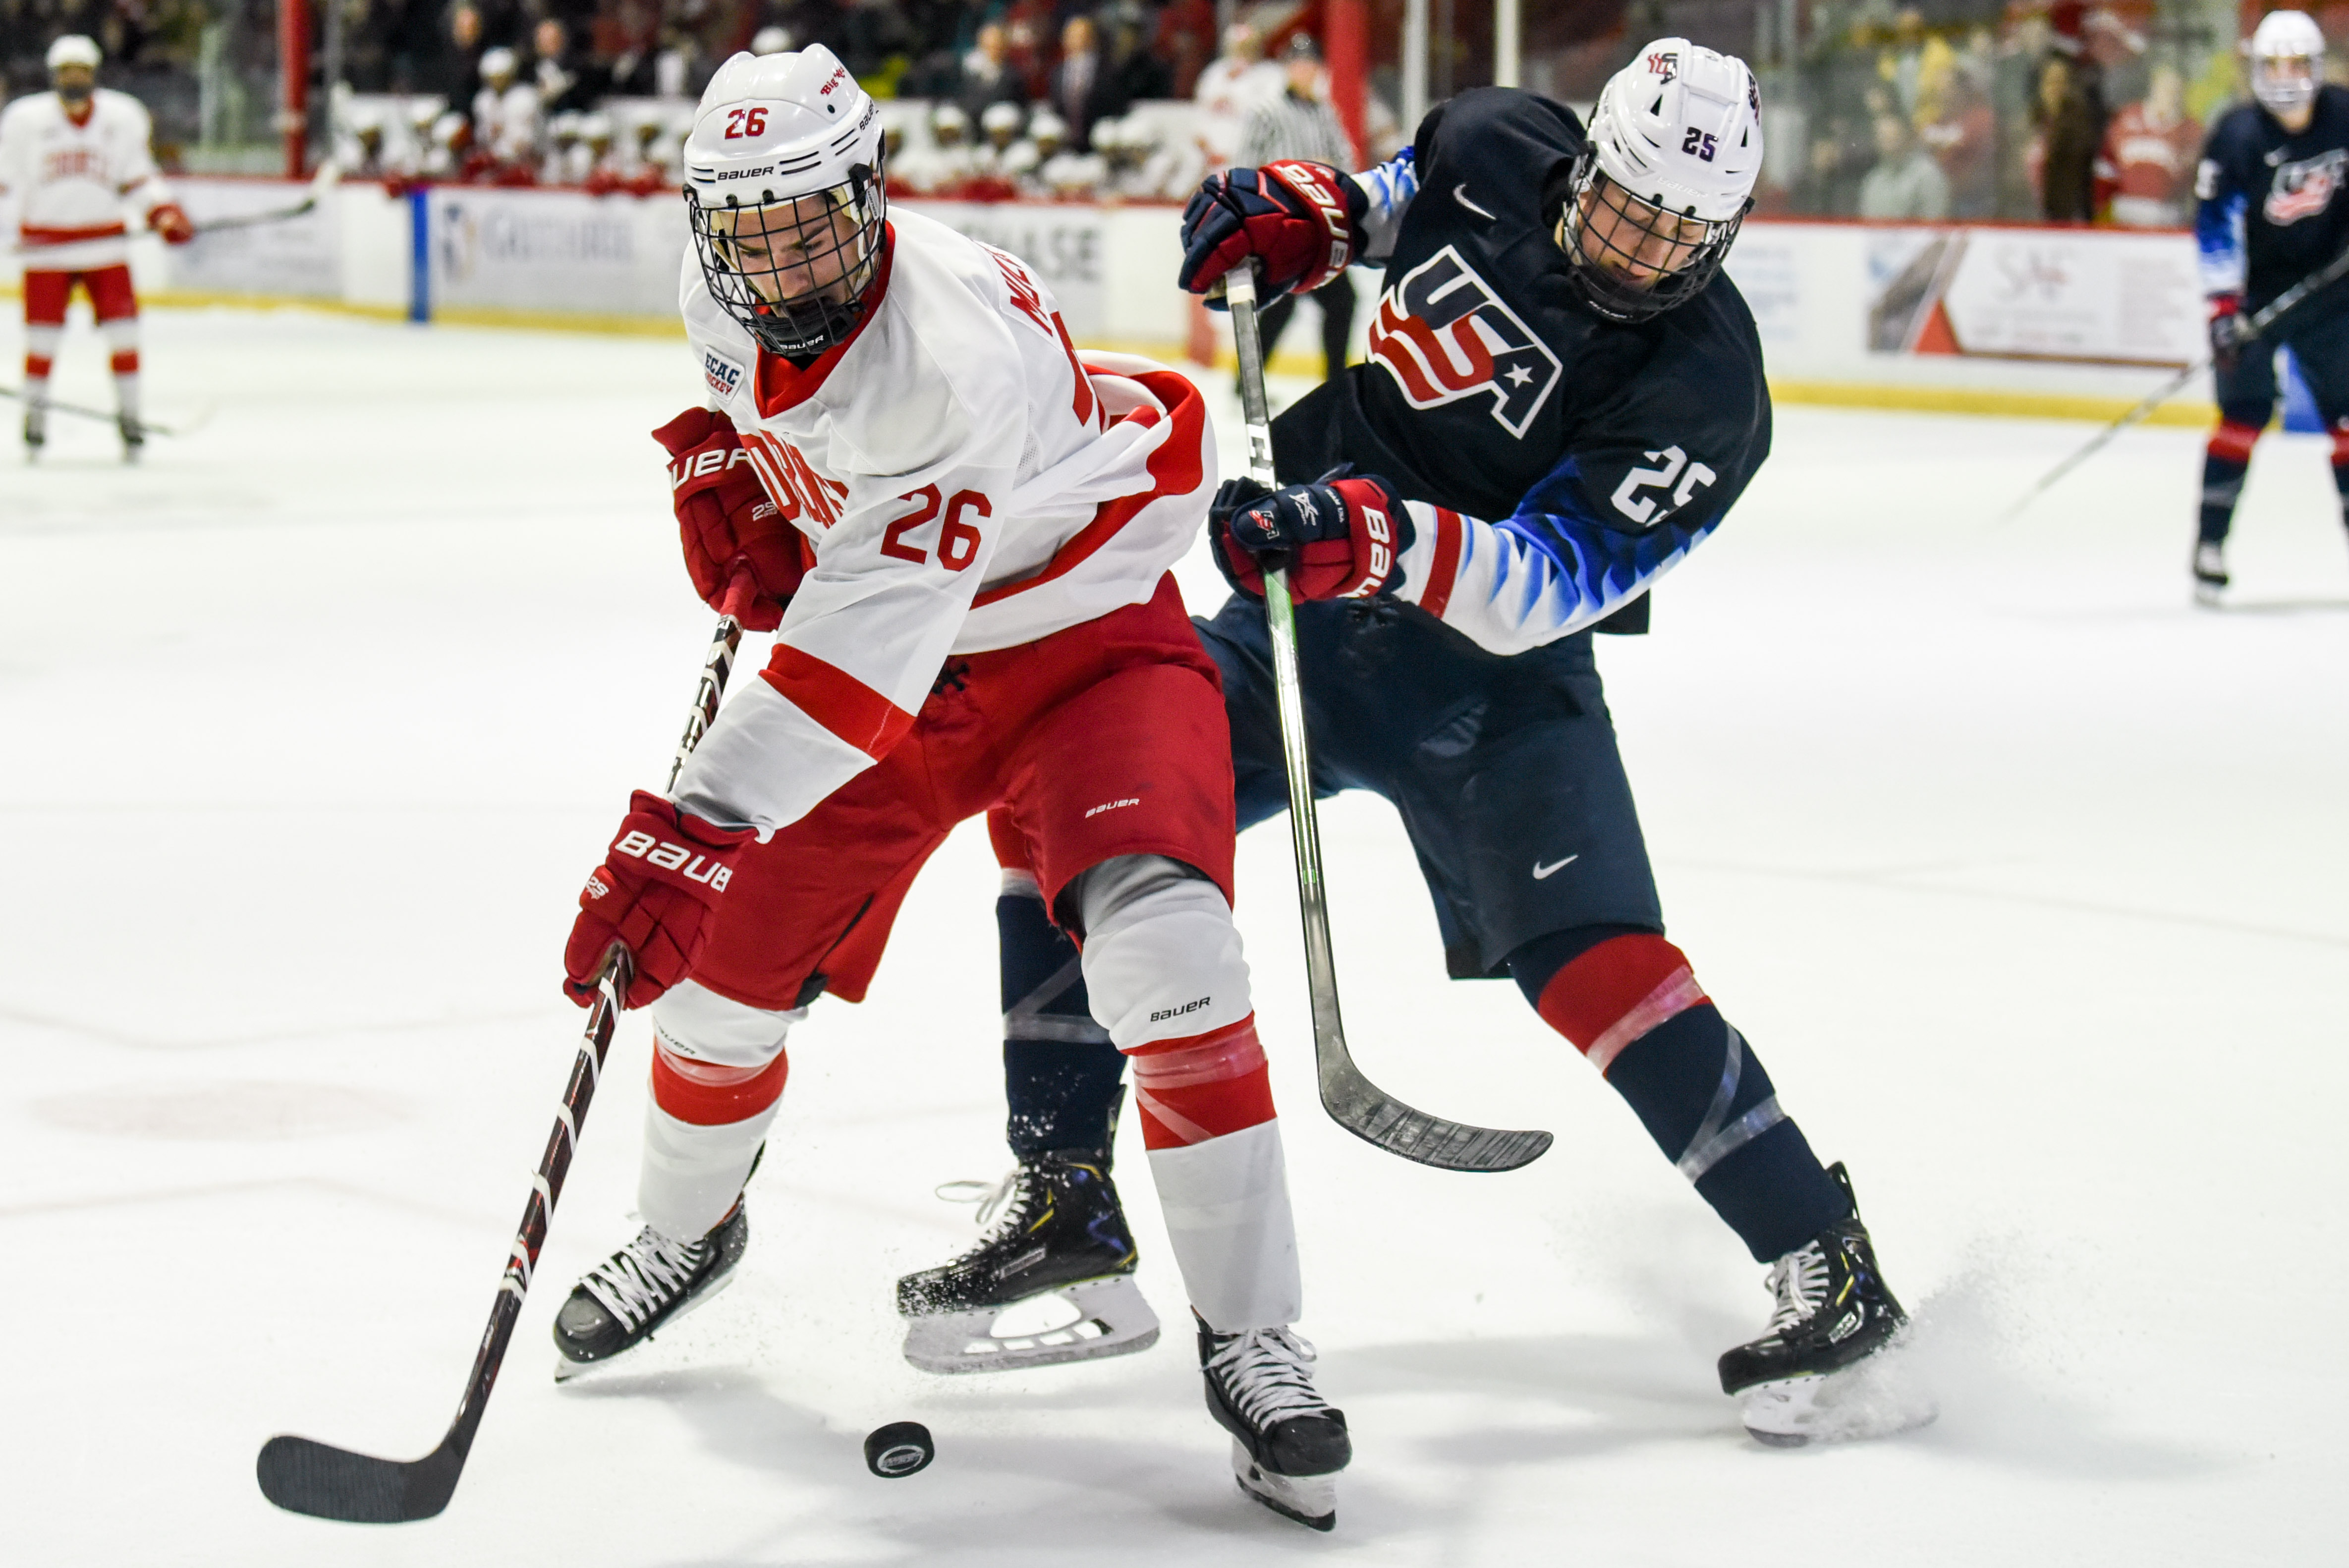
point(1563, 398)
point(2269, 212)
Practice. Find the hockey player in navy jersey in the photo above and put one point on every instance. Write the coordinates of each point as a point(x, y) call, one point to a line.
point(1563, 398)
point(2269, 213)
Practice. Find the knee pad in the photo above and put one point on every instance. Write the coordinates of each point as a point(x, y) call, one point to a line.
point(1162, 959)
point(717, 1061)
point(1618, 991)
point(1190, 1091)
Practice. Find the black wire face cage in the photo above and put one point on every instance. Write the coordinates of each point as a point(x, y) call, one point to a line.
point(1648, 260)
point(794, 271)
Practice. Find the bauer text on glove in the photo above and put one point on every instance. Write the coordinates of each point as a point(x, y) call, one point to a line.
point(655, 894)
point(724, 517)
point(1302, 222)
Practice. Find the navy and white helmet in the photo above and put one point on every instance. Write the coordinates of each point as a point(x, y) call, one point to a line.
point(783, 186)
point(2287, 59)
point(1675, 147)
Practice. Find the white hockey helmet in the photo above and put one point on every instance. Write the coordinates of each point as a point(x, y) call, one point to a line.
point(2287, 61)
point(1656, 197)
point(783, 186)
point(1048, 130)
point(73, 49)
point(497, 64)
point(771, 40)
point(948, 124)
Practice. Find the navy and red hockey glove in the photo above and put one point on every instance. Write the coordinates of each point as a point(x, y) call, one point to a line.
point(724, 517)
point(655, 893)
point(2227, 331)
point(1302, 221)
point(1339, 539)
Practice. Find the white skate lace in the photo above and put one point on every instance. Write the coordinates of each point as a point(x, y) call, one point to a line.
point(643, 1276)
point(1799, 1280)
point(1268, 1372)
point(1006, 1203)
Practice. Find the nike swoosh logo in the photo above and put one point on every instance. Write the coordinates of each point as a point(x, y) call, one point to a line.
point(1541, 871)
point(1460, 194)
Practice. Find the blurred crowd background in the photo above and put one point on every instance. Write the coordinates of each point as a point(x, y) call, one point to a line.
point(2022, 111)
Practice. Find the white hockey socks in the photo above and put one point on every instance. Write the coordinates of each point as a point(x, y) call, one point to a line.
point(719, 1068)
point(1166, 977)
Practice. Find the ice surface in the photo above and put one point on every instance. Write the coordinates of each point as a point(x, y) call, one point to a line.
point(2024, 877)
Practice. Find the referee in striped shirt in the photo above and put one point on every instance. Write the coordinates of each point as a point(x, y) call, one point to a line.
point(1297, 124)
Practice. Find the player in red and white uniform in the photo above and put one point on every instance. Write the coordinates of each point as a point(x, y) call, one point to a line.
point(963, 532)
point(76, 159)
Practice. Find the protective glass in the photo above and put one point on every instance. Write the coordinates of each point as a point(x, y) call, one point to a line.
point(796, 272)
point(1630, 259)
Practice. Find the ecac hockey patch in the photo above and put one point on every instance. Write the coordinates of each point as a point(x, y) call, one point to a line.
point(724, 375)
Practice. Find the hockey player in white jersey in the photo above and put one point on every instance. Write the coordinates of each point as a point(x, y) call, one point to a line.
point(76, 159)
point(962, 533)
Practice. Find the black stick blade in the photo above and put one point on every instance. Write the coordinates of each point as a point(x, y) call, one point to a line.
point(1452, 1145)
point(326, 1482)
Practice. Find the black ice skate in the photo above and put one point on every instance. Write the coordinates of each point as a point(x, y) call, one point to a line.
point(641, 1288)
point(134, 436)
point(36, 432)
point(2209, 572)
point(1051, 1279)
point(1802, 1381)
point(1288, 1444)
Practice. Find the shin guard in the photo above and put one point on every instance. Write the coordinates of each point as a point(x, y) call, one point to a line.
point(1632, 1005)
point(2225, 460)
point(1207, 1119)
point(719, 1068)
point(1062, 1079)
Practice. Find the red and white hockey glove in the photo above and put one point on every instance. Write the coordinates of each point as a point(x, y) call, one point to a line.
point(1338, 540)
point(167, 219)
point(1302, 221)
point(2227, 333)
point(724, 517)
point(655, 893)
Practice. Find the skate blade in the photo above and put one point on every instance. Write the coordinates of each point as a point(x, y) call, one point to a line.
point(1874, 1399)
point(566, 1369)
point(1094, 1318)
point(1310, 1500)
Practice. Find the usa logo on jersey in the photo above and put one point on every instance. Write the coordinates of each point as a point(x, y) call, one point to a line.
point(2304, 189)
point(1443, 335)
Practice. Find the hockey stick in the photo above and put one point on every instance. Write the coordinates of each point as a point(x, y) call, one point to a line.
point(2248, 334)
point(329, 175)
point(102, 414)
point(1353, 1101)
point(303, 1475)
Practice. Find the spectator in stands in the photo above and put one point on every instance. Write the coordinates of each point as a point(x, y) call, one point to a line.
point(1085, 89)
point(568, 81)
point(2071, 120)
point(1137, 73)
point(1185, 41)
point(2145, 173)
point(1906, 183)
point(457, 76)
point(1956, 122)
point(988, 77)
point(1297, 123)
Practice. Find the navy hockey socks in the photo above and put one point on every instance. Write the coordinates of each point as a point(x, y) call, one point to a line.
point(2225, 460)
point(1629, 1001)
point(1062, 1077)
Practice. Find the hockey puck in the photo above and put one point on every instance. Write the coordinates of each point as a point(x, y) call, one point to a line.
point(898, 1449)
